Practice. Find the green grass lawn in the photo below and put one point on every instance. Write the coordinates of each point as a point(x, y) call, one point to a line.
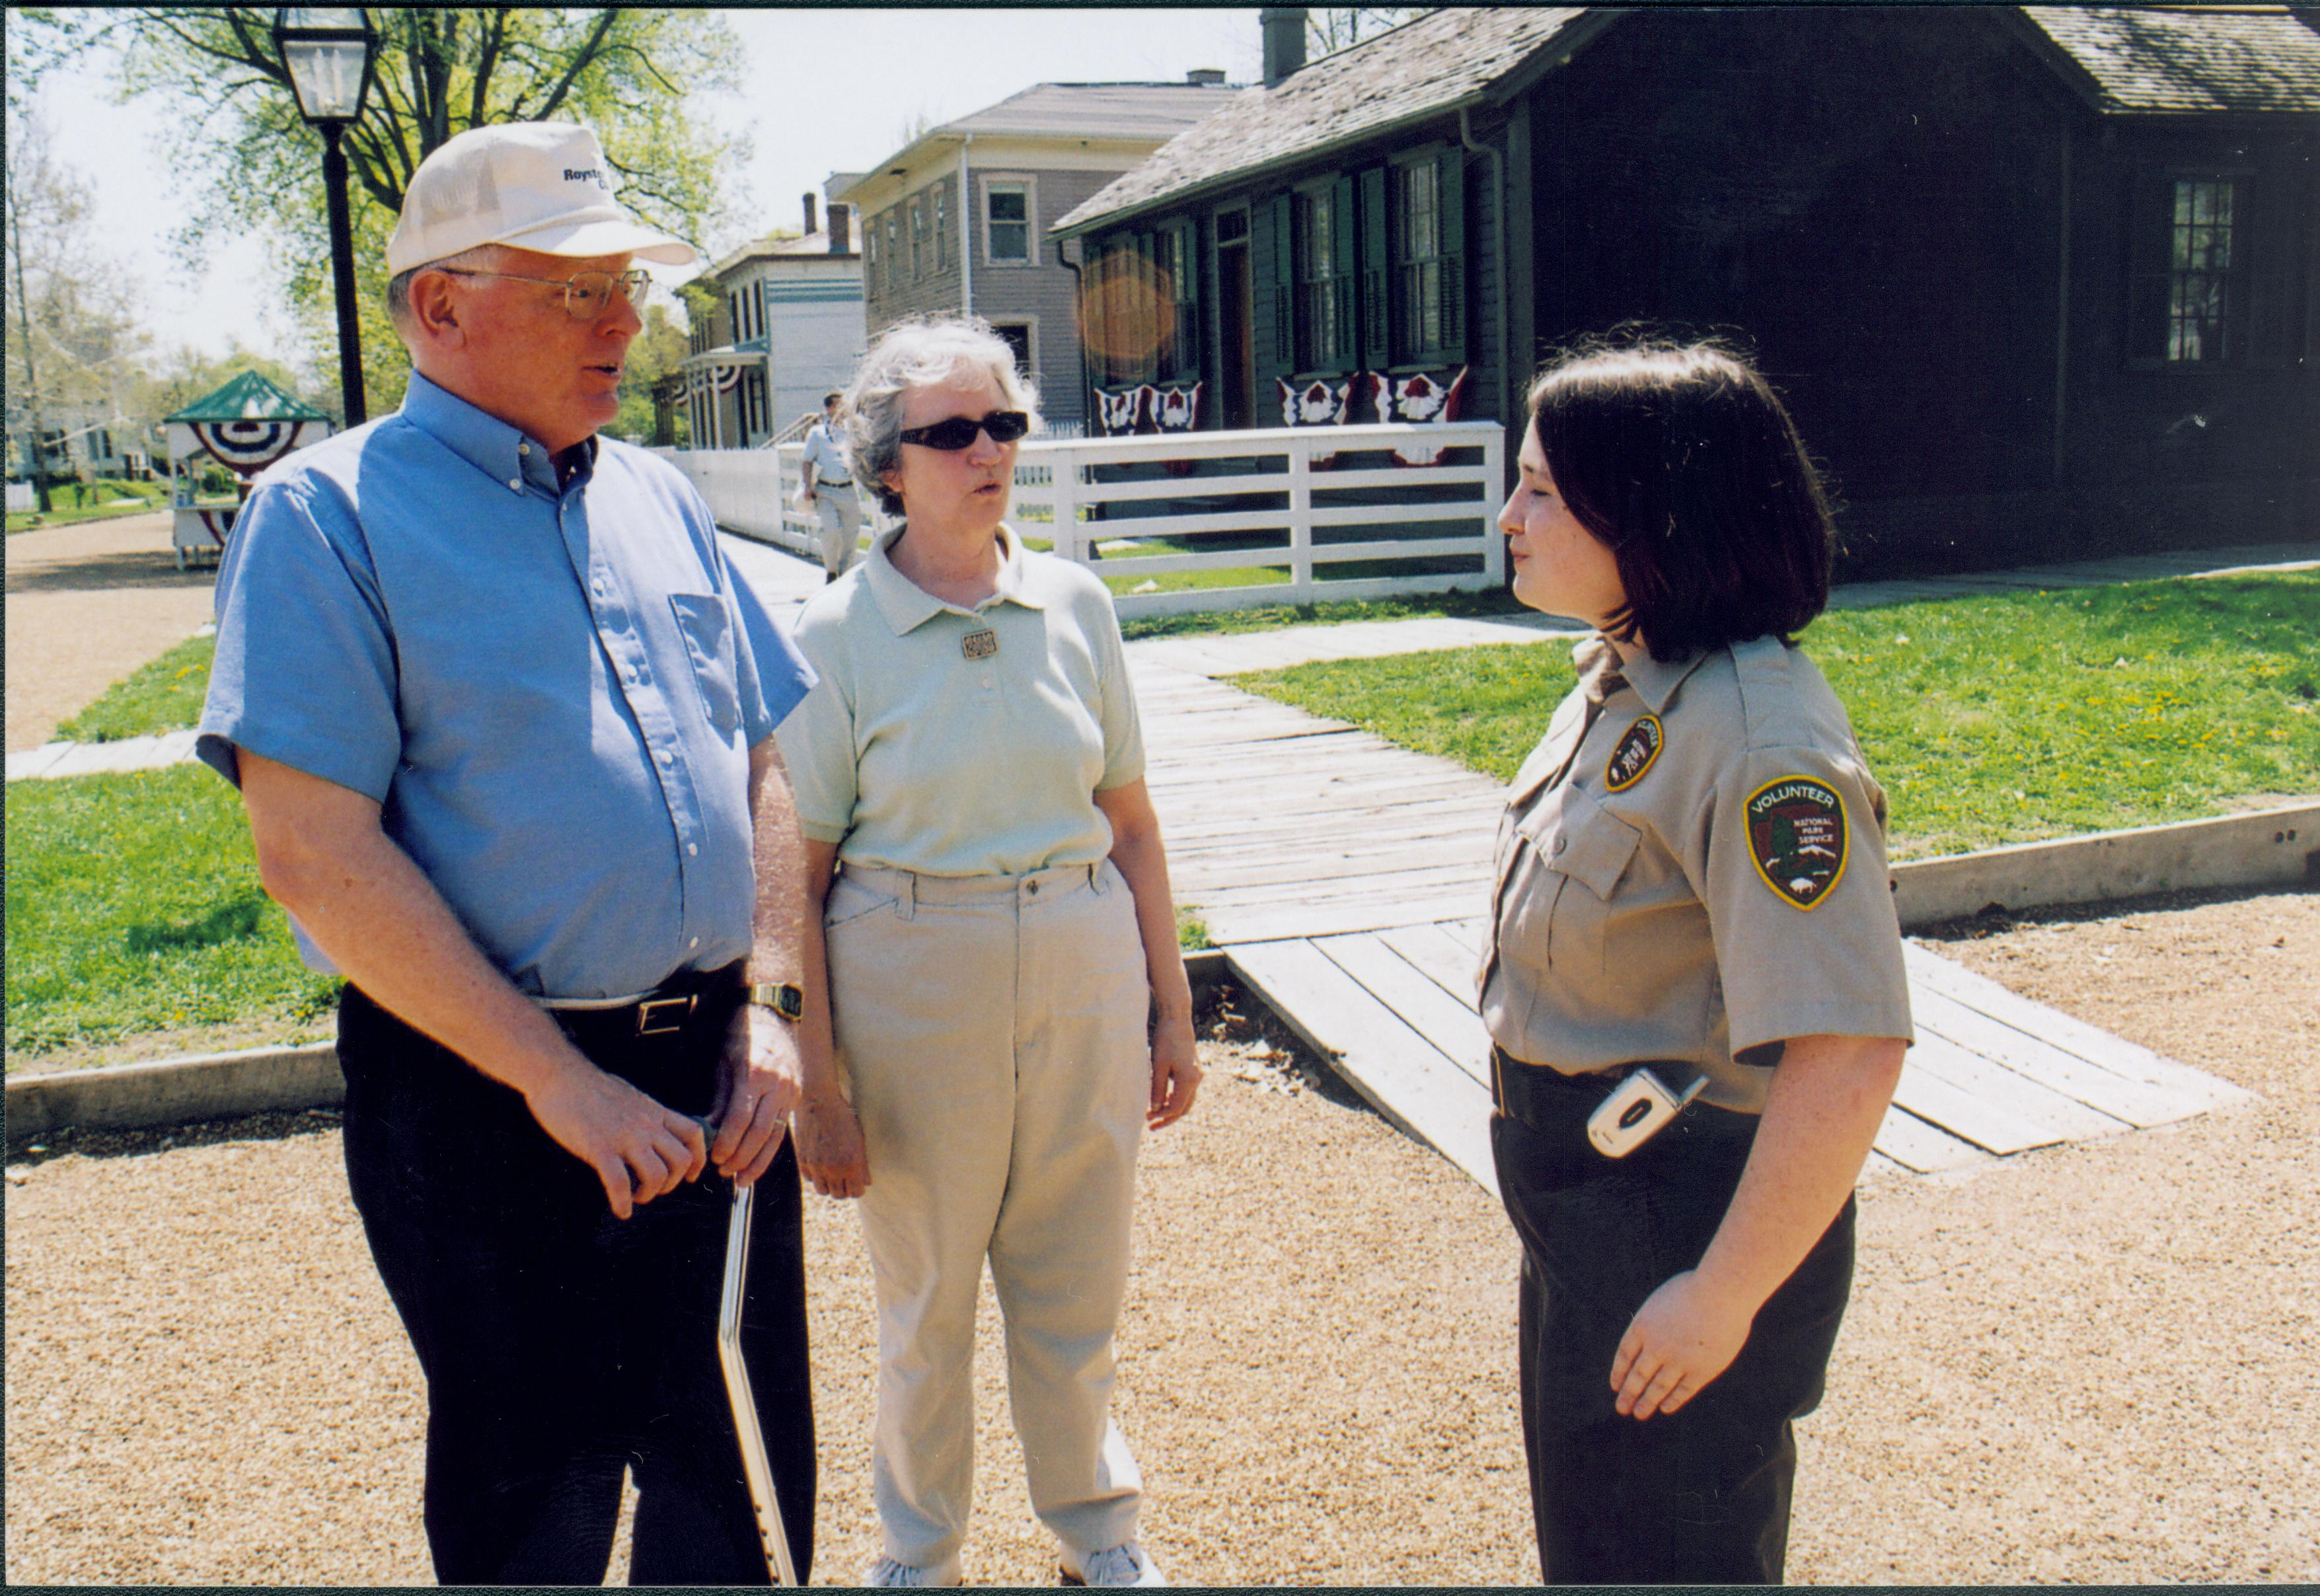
point(133, 907)
point(1988, 719)
point(164, 695)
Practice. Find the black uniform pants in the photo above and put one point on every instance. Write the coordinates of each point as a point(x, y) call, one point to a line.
point(1700, 1496)
point(562, 1346)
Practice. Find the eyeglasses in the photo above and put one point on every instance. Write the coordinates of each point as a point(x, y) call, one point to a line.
point(959, 432)
point(586, 295)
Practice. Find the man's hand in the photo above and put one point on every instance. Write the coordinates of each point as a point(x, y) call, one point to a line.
point(638, 1147)
point(830, 1147)
point(1681, 1338)
point(1175, 1072)
point(757, 1085)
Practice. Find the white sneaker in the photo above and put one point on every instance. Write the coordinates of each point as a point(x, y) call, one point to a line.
point(888, 1572)
point(1126, 1563)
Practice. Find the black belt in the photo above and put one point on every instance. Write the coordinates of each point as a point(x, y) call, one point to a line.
point(667, 1010)
point(846, 483)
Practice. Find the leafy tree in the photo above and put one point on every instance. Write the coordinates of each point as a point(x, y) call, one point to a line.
point(653, 353)
point(624, 72)
point(72, 335)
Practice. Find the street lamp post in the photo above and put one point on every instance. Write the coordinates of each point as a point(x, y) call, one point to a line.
point(327, 50)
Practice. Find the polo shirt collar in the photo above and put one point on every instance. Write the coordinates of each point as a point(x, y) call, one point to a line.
point(905, 605)
point(500, 451)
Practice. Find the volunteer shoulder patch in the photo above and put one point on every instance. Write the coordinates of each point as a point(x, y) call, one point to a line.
point(1798, 838)
point(1638, 747)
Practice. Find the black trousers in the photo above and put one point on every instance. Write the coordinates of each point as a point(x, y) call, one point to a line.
point(1700, 1496)
point(562, 1346)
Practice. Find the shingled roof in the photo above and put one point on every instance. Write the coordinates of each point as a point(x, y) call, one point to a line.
point(1435, 63)
point(1097, 110)
point(2205, 60)
point(2124, 59)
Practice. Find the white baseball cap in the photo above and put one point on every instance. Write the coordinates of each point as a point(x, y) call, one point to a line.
point(542, 185)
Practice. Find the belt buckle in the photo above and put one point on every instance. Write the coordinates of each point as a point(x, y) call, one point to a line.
point(649, 1013)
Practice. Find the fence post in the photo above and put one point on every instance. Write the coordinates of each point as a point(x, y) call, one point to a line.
point(1494, 547)
point(1301, 520)
point(1064, 477)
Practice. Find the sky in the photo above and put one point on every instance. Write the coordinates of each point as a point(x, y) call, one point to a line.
point(826, 90)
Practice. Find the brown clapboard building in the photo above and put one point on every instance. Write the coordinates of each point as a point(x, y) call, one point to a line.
point(2040, 283)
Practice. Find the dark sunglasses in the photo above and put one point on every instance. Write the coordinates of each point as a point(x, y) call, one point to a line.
point(959, 432)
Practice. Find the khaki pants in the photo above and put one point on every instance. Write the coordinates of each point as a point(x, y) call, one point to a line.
point(992, 1028)
point(841, 527)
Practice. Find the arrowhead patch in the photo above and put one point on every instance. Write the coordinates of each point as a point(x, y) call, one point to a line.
point(1796, 836)
point(1638, 747)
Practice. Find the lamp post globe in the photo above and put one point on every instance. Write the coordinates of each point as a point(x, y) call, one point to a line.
point(327, 50)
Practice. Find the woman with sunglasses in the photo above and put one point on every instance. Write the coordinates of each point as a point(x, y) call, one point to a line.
point(993, 927)
point(1690, 913)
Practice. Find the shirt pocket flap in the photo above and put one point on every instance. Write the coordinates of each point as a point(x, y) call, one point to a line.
point(706, 627)
point(1587, 843)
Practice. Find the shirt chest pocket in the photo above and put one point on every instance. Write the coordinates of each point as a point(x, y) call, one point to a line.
point(1581, 850)
point(702, 621)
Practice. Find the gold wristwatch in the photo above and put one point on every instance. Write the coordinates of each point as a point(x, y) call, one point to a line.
point(785, 998)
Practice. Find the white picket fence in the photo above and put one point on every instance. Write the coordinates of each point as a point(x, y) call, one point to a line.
point(1285, 505)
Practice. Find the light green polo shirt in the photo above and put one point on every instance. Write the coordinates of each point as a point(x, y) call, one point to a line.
point(959, 741)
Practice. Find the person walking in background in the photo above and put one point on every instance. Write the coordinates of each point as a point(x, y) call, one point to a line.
point(506, 746)
point(830, 488)
point(1690, 913)
point(996, 932)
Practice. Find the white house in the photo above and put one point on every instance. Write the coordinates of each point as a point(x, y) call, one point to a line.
point(788, 328)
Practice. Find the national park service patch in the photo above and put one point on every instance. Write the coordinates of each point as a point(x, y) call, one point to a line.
point(1796, 836)
point(1638, 746)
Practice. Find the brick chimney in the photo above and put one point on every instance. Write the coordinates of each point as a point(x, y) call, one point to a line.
point(810, 229)
point(1284, 42)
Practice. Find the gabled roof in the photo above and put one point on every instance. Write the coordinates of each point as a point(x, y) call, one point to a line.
point(2256, 58)
point(1096, 110)
point(1435, 63)
point(2121, 59)
point(813, 246)
point(248, 398)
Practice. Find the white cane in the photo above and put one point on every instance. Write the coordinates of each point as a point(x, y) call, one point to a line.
point(754, 1464)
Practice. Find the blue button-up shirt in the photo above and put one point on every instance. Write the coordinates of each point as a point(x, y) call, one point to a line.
point(551, 689)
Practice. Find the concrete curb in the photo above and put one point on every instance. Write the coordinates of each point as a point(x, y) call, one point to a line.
point(256, 1081)
point(2268, 847)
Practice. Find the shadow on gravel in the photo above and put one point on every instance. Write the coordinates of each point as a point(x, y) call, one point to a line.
point(1995, 920)
point(275, 1126)
point(99, 572)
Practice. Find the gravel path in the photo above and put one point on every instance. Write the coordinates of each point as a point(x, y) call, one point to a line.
point(2088, 1364)
point(87, 604)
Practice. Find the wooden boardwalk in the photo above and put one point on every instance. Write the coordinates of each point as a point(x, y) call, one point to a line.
point(1345, 877)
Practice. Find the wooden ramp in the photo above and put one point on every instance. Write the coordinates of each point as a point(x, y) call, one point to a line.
point(1344, 876)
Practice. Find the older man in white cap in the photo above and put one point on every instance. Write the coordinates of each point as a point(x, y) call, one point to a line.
point(502, 721)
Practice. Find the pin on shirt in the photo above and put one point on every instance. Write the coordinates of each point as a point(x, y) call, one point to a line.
point(980, 643)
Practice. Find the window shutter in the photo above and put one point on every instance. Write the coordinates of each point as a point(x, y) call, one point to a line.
point(2151, 236)
point(2269, 243)
point(1344, 245)
point(1453, 201)
point(1377, 272)
point(1284, 284)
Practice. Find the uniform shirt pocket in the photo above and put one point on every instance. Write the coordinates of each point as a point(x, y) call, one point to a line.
point(1589, 847)
point(706, 627)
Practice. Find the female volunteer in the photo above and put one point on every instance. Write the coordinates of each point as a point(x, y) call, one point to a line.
point(998, 929)
point(1690, 878)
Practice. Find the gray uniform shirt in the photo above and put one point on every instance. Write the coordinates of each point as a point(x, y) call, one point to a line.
point(1691, 865)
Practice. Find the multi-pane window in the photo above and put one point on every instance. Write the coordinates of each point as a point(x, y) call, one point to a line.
point(1007, 213)
point(893, 250)
point(1417, 261)
point(1324, 320)
point(2201, 238)
point(1179, 283)
point(921, 256)
point(942, 226)
point(870, 259)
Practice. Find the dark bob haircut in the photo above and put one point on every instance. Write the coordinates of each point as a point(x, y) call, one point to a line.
point(1682, 461)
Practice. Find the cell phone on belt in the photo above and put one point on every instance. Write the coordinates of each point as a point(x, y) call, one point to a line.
point(1636, 1113)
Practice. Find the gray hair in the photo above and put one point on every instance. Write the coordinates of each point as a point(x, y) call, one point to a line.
point(481, 258)
point(921, 352)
